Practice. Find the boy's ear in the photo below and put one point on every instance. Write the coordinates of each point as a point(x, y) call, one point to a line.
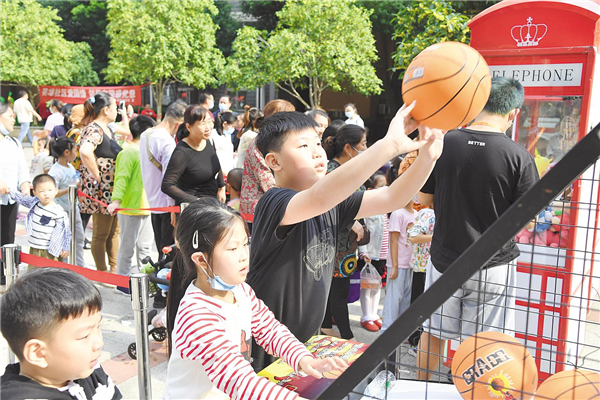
point(34, 353)
point(273, 162)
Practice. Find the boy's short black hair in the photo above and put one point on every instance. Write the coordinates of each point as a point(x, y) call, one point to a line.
point(38, 301)
point(234, 178)
point(41, 178)
point(275, 128)
point(140, 124)
point(506, 94)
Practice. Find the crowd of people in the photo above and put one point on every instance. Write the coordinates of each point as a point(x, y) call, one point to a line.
point(325, 205)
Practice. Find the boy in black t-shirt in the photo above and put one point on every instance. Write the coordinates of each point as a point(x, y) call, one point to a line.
point(51, 321)
point(480, 174)
point(296, 223)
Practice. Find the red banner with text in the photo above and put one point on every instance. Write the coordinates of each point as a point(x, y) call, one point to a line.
point(79, 94)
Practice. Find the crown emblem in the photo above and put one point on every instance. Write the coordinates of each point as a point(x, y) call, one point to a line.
point(530, 34)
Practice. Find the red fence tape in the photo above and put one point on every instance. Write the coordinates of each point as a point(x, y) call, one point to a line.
point(175, 209)
point(97, 276)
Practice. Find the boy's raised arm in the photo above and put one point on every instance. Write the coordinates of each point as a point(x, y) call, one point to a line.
point(399, 193)
point(338, 185)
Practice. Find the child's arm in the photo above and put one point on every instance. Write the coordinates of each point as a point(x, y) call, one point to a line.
point(277, 340)
point(204, 340)
point(399, 193)
point(24, 199)
point(123, 170)
point(394, 238)
point(419, 239)
point(338, 185)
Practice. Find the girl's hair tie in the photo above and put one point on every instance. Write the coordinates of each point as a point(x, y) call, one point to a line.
point(92, 99)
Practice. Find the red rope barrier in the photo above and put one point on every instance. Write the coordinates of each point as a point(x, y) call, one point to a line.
point(175, 209)
point(97, 276)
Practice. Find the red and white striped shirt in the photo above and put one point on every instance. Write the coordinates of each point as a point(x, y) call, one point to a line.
point(211, 348)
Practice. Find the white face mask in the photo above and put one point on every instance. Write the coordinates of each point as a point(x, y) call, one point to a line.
point(223, 107)
point(211, 105)
point(229, 131)
point(349, 114)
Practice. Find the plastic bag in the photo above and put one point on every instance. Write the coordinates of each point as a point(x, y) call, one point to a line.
point(370, 278)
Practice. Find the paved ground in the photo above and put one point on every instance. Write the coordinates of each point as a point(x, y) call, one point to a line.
point(118, 330)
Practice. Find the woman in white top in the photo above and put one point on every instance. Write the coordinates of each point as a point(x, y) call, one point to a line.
point(252, 120)
point(55, 119)
point(221, 137)
point(352, 115)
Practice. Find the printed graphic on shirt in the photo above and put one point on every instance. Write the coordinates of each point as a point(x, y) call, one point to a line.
point(320, 252)
point(246, 346)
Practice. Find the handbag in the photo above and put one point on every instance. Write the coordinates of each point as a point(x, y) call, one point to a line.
point(366, 236)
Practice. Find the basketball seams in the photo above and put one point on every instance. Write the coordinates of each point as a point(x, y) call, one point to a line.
point(458, 92)
point(472, 100)
point(465, 58)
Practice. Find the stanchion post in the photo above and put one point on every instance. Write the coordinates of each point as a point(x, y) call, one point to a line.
point(139, 286)
point(11, 258)
point(72, 220)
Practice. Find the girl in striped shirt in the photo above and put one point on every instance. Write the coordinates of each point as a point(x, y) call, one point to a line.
point(213, 315)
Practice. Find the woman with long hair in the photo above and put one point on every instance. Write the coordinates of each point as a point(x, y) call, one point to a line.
point(349, 142)
point(258, 178)
point(252, 120)
point(98, 153)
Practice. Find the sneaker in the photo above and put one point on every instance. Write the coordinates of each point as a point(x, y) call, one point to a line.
point(87, 244)
point(413, 351)
point(122, 290)
point(370, 326)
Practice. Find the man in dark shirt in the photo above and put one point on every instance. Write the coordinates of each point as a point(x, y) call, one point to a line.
point(480, 174)
point(296, 224)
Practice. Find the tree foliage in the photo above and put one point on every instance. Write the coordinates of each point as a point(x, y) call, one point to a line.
point(35, 52)
point(265, 13)
point(85, 21)
point(419, 24)
point(159, 42)
point(228, 27)
point(317, 45)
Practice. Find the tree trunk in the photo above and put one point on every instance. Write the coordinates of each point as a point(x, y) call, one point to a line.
point(158, 89)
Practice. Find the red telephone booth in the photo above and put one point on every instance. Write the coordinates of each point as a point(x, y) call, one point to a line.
point(551, 47)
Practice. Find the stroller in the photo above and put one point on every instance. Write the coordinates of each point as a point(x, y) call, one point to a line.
point(159, 274)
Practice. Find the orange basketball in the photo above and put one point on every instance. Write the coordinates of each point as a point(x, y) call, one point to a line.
point(493, 365)
point(574, 384)
point(451, 83)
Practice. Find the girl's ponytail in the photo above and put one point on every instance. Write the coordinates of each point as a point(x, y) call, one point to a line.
point(180, 280)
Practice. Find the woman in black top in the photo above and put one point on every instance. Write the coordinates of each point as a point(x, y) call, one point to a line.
point(194, 170)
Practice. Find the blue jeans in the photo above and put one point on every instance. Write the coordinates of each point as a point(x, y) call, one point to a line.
point(25, 131)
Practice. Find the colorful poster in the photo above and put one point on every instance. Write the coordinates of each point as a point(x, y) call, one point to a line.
point(320, 346)
point(79, 94)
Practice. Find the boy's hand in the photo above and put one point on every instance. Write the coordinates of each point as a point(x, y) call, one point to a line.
point(433, 142)
point(64, 254)
point(3, 188)
point(394, 274)
point(315, 367)
point(401, 126)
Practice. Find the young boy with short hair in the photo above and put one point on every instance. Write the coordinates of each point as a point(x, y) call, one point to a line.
point(47, 224)
point(51, 321)
point(234, 187)
point(296, 223)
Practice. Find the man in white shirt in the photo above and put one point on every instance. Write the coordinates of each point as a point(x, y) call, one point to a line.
point(156, 147)
point(25, 113)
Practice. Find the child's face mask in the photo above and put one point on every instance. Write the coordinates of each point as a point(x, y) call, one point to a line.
point(216, 282)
